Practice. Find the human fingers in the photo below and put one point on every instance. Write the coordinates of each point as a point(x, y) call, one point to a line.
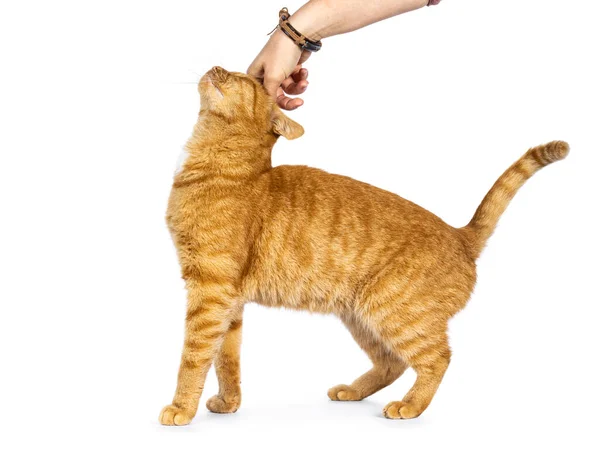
point(295, 84)
point(287, 103)
point(300, 74)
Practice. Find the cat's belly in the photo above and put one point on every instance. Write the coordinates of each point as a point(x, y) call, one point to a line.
point(300, 291)
point(300, 300)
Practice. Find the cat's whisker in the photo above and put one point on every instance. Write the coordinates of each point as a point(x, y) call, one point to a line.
point(198, 75)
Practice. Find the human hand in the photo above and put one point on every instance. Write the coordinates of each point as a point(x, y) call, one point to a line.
point(279, 66)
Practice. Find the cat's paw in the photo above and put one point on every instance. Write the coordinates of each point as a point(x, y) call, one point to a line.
point(343, 393)
point(400, 410)
point(172, 415)
point(218, 404)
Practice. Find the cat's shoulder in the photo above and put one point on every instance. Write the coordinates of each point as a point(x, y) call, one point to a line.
point(297, 170)
point(307, 174)
point(293, 177)
point(297, 173)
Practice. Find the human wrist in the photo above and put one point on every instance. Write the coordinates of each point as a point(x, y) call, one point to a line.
point(311, 20)
point(280, 40)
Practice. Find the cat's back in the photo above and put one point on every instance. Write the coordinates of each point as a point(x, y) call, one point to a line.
point(303, 189)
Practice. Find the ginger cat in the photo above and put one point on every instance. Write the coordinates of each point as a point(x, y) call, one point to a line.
point(301, 238)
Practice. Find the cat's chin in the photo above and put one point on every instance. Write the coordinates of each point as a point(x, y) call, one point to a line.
point(208, 88)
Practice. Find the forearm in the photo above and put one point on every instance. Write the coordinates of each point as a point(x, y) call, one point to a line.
point(319, 19)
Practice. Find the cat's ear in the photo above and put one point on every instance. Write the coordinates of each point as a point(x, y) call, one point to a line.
point(285, 126)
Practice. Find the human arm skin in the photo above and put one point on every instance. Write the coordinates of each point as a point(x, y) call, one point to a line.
point(279, 64)
point(319, 19)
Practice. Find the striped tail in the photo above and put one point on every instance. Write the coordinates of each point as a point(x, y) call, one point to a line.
point(495, 202)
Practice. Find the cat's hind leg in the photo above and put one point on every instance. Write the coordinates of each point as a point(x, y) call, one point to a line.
point(429, 356)
point(413, 328)
point(407, 307)
point(227, 367)
point(387, 367)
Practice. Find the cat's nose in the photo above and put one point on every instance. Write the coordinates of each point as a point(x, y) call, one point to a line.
point(218, 73)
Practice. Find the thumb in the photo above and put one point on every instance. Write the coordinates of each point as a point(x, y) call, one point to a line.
point(271, 84)
point(304, 56)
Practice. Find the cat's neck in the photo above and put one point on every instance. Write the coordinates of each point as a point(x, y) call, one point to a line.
point(229, 155)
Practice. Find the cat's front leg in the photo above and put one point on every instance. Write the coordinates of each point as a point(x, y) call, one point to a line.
point(211, 309)
point(227, 367)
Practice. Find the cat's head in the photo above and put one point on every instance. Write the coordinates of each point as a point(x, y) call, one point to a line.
point(242, 100)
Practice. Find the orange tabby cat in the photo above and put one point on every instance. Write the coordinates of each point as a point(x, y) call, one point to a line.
point(301, 238)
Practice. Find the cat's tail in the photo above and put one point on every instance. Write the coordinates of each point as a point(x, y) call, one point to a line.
point(482, 225)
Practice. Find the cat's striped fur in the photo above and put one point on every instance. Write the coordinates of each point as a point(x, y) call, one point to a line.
point(301, 238)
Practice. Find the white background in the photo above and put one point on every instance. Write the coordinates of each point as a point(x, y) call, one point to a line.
point(96, 101)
